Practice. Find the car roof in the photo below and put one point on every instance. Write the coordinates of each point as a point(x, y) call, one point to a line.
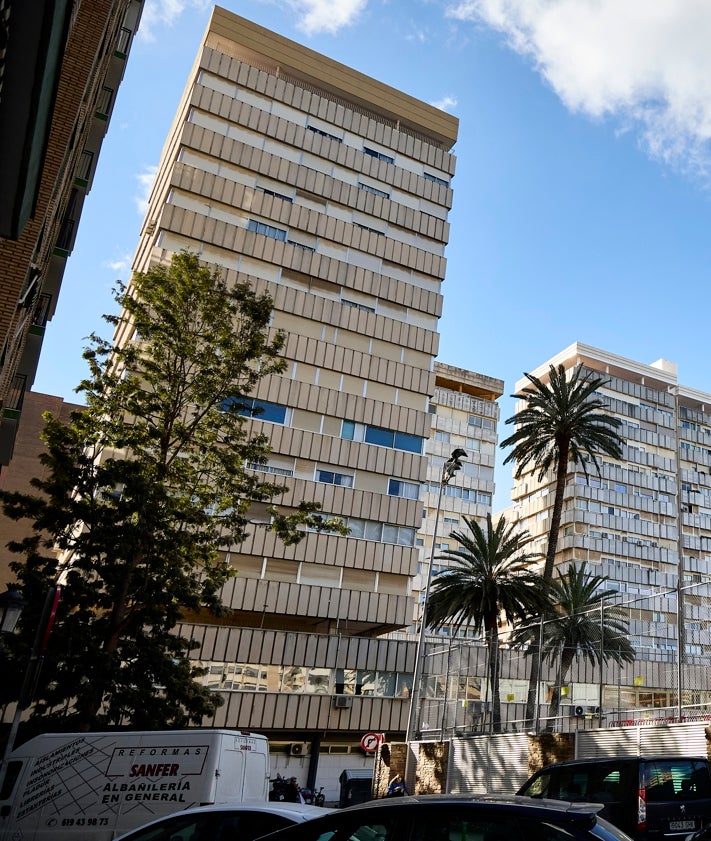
point(297, 812)
point(646, 758)
point(503, 801)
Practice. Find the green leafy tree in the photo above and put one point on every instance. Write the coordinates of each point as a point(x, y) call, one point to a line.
point(583, 627)
point(489, 576)
point(562, 422)
point(141, 490)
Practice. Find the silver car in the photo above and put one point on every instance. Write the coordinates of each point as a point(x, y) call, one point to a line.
point(224, 822)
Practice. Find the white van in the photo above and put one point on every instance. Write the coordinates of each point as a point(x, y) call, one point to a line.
point(97, 786)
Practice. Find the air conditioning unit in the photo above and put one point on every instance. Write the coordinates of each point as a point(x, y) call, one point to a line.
point(298, 749)
point(342, 702)
point(577, 710)
point(593, 710)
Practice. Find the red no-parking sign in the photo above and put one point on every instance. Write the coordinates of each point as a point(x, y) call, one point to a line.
point(370, 741)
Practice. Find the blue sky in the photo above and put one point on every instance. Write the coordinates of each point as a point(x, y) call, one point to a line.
point(582, 207)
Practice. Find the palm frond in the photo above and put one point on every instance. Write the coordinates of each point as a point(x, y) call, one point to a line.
point(562, 416)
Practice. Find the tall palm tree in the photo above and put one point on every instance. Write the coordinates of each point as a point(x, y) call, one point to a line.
point(561, 422)
point(583, 627)
point(490, 575)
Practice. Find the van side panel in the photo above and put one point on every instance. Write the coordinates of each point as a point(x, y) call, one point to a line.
point(104, 784)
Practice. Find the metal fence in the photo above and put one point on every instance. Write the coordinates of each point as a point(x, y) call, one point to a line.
point(668, 680)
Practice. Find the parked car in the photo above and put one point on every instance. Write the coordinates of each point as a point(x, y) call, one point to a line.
point(649, 797)
point(241, 822)
point(443, 817)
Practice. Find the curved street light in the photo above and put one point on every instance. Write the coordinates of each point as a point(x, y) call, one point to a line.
point(449, 468)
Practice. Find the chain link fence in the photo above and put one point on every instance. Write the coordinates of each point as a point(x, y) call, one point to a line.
point(582, 686)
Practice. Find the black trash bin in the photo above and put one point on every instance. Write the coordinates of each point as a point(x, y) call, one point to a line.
point(356, 786)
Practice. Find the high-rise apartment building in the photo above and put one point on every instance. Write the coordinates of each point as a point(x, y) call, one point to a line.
point(330, 191)
point(464, 415)
point(61, 64)
point(645, 523)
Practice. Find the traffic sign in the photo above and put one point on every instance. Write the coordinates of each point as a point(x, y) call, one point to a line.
point(370, 742)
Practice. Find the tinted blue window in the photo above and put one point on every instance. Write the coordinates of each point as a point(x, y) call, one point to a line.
point(272, 412)
point(411, 443)
point(261, 409)
point(348, 430)
point(381, 437)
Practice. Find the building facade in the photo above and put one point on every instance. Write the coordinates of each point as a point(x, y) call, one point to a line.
point(645, 524)
point(26, 465)
point(330, 191)
point(464, 415)
point(61, 66)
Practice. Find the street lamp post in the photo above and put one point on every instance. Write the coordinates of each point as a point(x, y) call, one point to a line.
point(449, 468)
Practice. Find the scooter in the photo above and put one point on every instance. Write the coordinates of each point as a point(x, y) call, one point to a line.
point(278, 790)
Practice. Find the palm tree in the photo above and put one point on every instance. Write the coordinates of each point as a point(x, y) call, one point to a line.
point(561, 422)
point(490, 575)
point(583, 627)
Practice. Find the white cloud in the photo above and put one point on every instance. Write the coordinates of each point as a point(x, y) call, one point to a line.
point(326, 15)
point(121, 265)
point(160, 14)
point(646, 63)
point(446, 103)
point(145, 181)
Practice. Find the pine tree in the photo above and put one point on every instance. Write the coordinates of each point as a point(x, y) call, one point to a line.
point(142, 489)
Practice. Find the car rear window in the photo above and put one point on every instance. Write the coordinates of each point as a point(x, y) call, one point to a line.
point(680, 779)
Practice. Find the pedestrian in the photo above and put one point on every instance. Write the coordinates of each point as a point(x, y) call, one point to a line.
point(292, 791)
point(397, 787)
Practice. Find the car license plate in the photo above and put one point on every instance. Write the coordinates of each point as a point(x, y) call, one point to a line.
point(679, 826)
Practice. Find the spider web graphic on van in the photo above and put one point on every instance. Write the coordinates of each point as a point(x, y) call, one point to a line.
point(62, 778)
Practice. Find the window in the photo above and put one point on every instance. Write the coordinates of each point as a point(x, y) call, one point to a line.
point(400, 535)
point(260, 409)
point(266, 230)
point(324, 133)
point(103, 101)
point(442, 436)
point(270, 468)
point(356, 306)
point(300, 244)
point(378, 436)
point(84, 166)
point(381, 437)
point(276, 195)
point(435, 178)
point(479, 422)
point(381, 156)
point(374, 190)
point(330, 477)
point(380, 532)
point(348, 429)
point(124, 40)
point(407, 490)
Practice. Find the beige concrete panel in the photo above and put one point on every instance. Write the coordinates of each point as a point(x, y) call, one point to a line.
point(208, 636)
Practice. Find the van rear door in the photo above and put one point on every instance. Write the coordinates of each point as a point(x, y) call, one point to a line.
point(678, 795)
